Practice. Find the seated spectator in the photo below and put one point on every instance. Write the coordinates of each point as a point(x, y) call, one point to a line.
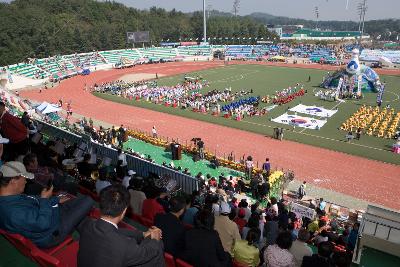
point(46, 220)
point(45, 177)
point(120, 170)
point(321, 237)
point(2, 142)
point(102, 243)
point(293, 231)
point(352, 239)
point(322, 259)
point(227, 229)
point(191, 211)
point(215, 208)
point(137, 195)
point(203, 246)
point(340, 259)
point(254, 222)
point(243, 204)
point(246, 251)
point(163, 198)
point(151, 206)
point(127, 178)
point(101, 182)
point(239, 220)
point(278, 255)
point(271, 229)
point(84, 167)
point(313, 226)
point(171, 227)
point(13, 129)
point(299, 248)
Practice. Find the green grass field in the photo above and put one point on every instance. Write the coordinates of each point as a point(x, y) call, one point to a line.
point(265, 80)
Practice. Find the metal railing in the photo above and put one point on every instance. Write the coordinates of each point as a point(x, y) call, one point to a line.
point(141, 166)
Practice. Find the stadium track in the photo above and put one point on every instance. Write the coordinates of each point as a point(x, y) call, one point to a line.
point(361, 178)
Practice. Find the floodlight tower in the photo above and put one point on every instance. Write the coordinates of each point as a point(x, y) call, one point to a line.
point(204, 22)
point(362, 9)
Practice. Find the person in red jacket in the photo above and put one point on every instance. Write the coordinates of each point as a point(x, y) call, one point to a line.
point(240, 220)
point(151, 206)
point(13, 129)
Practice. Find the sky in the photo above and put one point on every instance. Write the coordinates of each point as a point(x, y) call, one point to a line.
point(305, 9)
point(328, 9)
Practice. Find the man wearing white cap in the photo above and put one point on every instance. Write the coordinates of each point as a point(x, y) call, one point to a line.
point(46, 220)
point(228, 230)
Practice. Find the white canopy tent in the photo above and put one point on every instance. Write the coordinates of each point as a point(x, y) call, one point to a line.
point(46, 108)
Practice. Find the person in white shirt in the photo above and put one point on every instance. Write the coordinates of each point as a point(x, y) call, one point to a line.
point(154, 132)
point(122, 156)
point(249, 166)
point(299, 248)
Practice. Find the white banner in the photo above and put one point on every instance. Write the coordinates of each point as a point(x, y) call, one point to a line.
point(313, 111)
point(299, 121)
point(302, 211)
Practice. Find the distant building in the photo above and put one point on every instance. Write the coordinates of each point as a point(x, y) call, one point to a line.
point(280, 30)
point(309, 34)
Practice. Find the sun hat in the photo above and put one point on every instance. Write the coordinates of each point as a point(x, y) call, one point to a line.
point(14, 169)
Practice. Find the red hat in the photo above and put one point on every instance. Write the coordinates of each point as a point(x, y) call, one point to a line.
point(241, 212)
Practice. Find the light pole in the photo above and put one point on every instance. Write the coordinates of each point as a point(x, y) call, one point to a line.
point(362, 9)
point(204, 22)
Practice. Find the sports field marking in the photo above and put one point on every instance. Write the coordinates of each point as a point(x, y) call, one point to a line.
point(318, 136)
point(233, 78)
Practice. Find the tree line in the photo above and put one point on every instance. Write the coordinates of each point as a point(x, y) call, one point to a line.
point(43, 28)
point(384, 29)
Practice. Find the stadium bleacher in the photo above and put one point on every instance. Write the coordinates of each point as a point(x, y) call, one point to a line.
point(194, 50)
point(158, 53)
point(114, 56)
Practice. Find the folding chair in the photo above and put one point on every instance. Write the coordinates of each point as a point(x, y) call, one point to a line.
point(181, 263)
point(169, 260)
point(87, 192)
point(27, 247)
point(64, 258)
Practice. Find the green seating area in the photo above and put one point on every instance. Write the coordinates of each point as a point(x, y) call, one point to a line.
point(158, 53)
point(114, 56)
point(46, 67)
point(23, 69)
point(194, 50)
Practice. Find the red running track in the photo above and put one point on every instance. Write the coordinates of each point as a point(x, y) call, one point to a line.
point(365, 179)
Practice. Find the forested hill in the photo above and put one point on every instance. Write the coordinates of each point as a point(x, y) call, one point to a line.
point(387, 28)
point(42, 28)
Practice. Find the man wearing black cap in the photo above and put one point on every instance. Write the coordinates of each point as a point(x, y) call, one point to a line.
point(171, 227)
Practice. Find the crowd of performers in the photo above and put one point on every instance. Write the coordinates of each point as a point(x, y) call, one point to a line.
point(380, 122)
point(189, 95)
